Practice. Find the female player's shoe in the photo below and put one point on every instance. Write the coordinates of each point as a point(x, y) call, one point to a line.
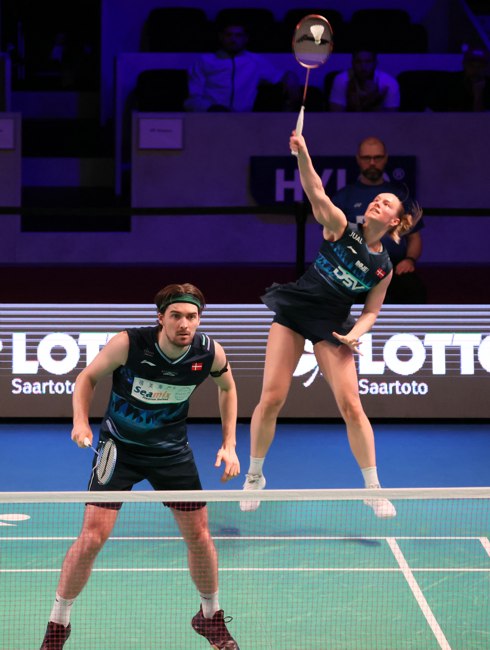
point(215, 630)
point(55, 637)
point(252, 482)
point(383, 508)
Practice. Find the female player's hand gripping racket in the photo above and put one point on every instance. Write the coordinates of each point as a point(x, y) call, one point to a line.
point(312, 45)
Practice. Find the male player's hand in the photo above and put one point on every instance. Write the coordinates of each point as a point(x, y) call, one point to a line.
point(230, 459)
point(80, 432)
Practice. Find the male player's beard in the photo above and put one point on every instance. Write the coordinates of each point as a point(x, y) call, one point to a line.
point(372, 175)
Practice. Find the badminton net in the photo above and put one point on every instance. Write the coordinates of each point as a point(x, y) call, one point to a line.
point(308, 570)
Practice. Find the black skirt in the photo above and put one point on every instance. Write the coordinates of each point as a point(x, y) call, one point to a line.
point(311, 308)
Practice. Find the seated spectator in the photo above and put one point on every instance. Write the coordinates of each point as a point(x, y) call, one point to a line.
point(229, 79)
point(467, 90)
point(364, 88)
point(406, 287)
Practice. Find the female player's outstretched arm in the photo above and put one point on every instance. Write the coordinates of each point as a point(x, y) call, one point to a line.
point(325, 212)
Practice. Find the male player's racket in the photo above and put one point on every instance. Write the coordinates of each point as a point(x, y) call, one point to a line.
point(312, 45)
point(106, 460)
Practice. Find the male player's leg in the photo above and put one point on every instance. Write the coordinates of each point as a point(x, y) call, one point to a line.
point(203, 567)
point(284, 349)
point(338, 367)
point(98, 523)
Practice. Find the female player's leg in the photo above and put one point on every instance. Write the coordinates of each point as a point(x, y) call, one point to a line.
point(338, 367)
point(284, 349)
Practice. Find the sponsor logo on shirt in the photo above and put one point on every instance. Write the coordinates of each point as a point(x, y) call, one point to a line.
point(356, 236)
point(154, 392)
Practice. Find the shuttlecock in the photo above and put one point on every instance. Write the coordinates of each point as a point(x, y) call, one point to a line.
point(317, 31)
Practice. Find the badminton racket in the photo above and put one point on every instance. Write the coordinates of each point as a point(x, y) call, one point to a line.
point(312, 45)
point(106, 460)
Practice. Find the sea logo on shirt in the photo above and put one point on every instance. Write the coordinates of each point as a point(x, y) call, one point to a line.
point(154, 392)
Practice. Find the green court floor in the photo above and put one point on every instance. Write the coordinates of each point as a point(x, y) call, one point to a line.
point(312, 575)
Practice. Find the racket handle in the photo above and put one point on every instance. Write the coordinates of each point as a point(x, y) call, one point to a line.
point(299, 125)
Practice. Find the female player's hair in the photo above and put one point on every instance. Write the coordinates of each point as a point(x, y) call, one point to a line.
point(179, 293)
point(408, 219)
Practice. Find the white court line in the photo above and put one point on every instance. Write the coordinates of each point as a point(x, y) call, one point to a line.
point(419, 596)
point(267, 569)
point(486, 544)
point(250, 538)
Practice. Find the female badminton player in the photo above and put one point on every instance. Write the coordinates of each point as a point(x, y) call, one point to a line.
point(351, 265)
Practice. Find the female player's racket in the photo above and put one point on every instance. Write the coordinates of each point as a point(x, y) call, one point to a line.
point(106, 460)
point(312, 45)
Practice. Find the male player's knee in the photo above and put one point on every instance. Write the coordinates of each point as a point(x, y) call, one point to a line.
point(198, 538)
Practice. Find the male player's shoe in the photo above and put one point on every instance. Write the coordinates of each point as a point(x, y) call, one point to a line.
point(383, 508)
point(252, 482)
point(55, 637)
point(215, 630)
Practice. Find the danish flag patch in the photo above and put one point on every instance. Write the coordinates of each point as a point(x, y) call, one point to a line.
point(380, 273)
point(196, 366)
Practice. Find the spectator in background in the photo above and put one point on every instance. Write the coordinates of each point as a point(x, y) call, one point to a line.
point(406, 287)
point(229, 79)
point(467, 90)
point(364, 88)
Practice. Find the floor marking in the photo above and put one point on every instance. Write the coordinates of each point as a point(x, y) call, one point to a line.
point(419, 596)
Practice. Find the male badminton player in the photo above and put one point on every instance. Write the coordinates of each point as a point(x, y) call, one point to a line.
point(351, 265)
point(155, 370)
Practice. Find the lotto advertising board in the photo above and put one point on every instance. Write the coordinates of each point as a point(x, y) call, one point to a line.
point(418, 361)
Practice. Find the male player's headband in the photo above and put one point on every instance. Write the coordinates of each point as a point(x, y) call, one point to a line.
point(183, 297)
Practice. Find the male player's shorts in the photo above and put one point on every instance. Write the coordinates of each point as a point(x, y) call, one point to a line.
point(181, 474)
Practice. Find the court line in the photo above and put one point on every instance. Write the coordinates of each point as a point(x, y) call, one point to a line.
point(419, 596)
point(258, 538)
point(269, 569)
point(486, 544)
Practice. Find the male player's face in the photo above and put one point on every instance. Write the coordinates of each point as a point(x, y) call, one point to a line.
point(179, 324)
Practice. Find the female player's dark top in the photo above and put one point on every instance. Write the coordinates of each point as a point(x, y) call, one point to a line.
point(149, 401)
point(319, 302)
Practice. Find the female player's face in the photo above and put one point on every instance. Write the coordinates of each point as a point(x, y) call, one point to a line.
point(385, 209)
point(179, 323)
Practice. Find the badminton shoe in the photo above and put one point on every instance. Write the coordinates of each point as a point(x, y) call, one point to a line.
point(215, 630)
point(56, 636)
point(252, 482)
point(383, 508)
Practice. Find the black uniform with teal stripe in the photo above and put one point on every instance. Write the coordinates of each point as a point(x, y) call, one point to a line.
point(148, 409)
point(320, 302)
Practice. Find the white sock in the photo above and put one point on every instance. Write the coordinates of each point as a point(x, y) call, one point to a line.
point(256, 465)
point(370, 475)
point(210, 604)
point(61, 610)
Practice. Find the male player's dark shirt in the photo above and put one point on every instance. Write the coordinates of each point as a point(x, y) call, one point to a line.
point(149, 401)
